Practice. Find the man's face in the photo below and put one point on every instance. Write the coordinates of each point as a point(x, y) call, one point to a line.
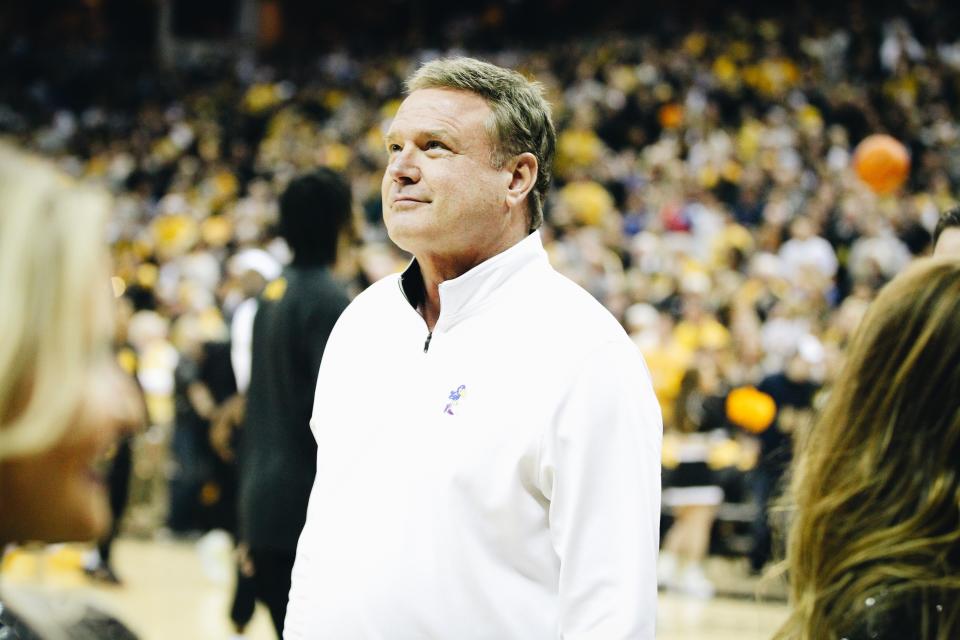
point(442, 196)
point(948, 244)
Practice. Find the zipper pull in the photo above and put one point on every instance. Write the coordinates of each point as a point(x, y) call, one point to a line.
point(426, 345)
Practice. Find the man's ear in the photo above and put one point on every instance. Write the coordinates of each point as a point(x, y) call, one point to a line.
point(523, 178)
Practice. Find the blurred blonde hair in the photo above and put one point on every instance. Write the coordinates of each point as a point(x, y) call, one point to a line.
point(54, 280)
point(876, 483)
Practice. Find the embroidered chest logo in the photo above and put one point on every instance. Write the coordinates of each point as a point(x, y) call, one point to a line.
point(454, 398)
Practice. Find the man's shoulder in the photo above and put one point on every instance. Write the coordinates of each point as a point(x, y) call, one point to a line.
point(377, 295)
point(567, 308)
point(562, 326)
point(373, 304)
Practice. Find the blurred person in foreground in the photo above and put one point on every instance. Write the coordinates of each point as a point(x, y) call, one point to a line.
point(946, 236)
point(874, 547)
point(64, 401)
point(277, 453)
point(488, 436)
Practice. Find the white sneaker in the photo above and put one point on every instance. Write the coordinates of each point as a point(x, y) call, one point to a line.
point(667, 566)
point(215, 549)
point(695, 583)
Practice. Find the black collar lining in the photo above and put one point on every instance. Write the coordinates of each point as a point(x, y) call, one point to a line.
point(411, 283)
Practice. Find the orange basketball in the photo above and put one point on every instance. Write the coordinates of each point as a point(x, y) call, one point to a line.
point(751, 409)
point(882, 162)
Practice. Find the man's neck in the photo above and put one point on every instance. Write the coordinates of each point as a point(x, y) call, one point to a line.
point(435, 269)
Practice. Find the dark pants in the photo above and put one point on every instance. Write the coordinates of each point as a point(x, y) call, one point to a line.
point(118, 481)
point(766, 486)
point(271, 582)
point(187, 481)
point(244, 600)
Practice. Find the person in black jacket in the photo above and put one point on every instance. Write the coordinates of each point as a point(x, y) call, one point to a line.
point(277, 452)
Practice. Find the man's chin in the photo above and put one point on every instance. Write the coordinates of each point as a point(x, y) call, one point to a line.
point(409, 237)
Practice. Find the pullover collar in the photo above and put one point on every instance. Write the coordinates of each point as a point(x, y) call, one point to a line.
point(462, 295)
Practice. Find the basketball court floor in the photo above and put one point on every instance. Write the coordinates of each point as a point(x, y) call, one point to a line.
point(182, 590)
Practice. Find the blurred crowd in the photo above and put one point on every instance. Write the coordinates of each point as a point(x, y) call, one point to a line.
point(703, 192)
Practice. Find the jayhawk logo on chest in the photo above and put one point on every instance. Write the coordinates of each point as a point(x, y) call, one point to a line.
point(454, 399)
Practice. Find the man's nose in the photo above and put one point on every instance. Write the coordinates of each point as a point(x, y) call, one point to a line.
point(403, 167)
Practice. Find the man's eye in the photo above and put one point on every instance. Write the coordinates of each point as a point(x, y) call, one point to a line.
point(394, 148)
point(435, 144)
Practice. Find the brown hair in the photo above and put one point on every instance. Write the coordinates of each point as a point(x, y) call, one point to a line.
point(876, 483)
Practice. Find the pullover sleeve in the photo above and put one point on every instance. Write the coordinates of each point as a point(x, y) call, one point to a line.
point(600, 470)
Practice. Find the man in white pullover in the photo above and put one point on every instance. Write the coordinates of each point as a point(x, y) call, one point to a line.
point(488, 438)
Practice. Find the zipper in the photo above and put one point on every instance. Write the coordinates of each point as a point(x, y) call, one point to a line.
point(426, 344)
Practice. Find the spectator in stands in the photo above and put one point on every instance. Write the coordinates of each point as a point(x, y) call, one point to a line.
point(98, 565)
point(693, 489)
point(203, 380)
point(792, 390)
point(946, 237)
point(807, 251)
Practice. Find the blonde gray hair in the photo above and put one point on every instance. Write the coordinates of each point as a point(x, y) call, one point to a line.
point(521, 119)
point(56, 319)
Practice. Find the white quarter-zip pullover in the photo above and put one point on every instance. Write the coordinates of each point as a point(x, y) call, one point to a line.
point(498, 481)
